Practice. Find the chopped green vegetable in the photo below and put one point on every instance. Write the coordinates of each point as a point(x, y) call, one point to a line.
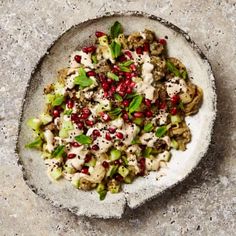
point(58, 100)
point(102, 194)
point(148, 127)
point(171, 67)
point(138, 121)
point(82, 80)
point(181, 106)
point(111, 171)
point(124, 158)
point(135, 103)
point(65, 128)
point(126, 63)
point(37, 143)
point(94, 59)
point(115, 49)
point(34, 123)
point(83, 139)
point(174, 144)
point(56, 173)
point(59, 151)
point(49, 98)
point(92, 162)
point(128, 180)
point(115, 154)
point(123, 171)
point(147, 152)
point(128, 96)
point(135, 141)
point(161, 131)
point(124, 69)
point(75, 183)
point(118, 97)
point(68, 112)
point(184, 75)
point(115, 30)
point(45, 118)
point(112, 76)
point(175, 119)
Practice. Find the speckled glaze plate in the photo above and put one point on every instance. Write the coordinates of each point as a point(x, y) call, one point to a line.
point(61, 193)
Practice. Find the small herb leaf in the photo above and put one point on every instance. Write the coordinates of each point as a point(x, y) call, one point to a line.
point(148, 127)
point(171, 67)
point(58, 100)
point(83, 139)
point(161, 131)
point(115, 49)
point(116, 29)
point(118, 97)
point(82, 80)
point(135, 103)
point(112, 76)
point(59, 151)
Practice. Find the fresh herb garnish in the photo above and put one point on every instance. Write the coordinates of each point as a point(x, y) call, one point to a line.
point(147, 152)
point(94, 59)
point(124, 69)
point(148, 127)
point(82, 80)
point(115, 49)
point(128, 96)
point(126, 63)
point(58, 151)
point(135, 103)
point(171, 67)
point(68, 112)
point(83, 139)
point(37, 143)
point(161, 131)
point(115, 112)
point(118, 97)
point(112, 76)
point(116, 29)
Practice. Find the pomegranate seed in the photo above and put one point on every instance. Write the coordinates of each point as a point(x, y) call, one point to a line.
point(127, 82)
point(70, 104)
point(91, 73)
point(84, 170)
point(102, 78)
point(128, 75)
point(71, 155)
point(113, 88)
point(84, 116)
point(139, 50)
point(162, 41)
point(80, 125)
point(112, 130)
point(132, 84)
point(148, 113)
point(122, 58)
point(129, 54)
point(142, 162)
point(89, 49)
point(125, 116)
point(133, 67)
point(74, 117)
point(108, 137)
point(77, 58)
point(119, 135)
point(75, 144)
point(138, 114)
point(105, 86)
point(146, 47)
point(119, 178)
point(125, 103)
point(99, 34)
point(163, 106)
point(56, 113)
point(96, 132)
point(173, 111)
point(109, 81)
point(105, 164)
point(89, 122)
point(87, 158)
point(86, 111)
point(175, 99)
point(105, 117)
point(117, 162)
point(147, 102)
point(95, 147)
point(105, 94)
point(116, 67)
point(129, 90)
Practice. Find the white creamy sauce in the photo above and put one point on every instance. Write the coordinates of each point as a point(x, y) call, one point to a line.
point(75, 163)
point(175, 85)
point(133, 149)
point(118, 123)
point(164, 155)
point(167, 140)
point(85, 59)
point(48, 135)
point(148, 139)
point(70, 81)
point(162, 117)
point(80, 152)
point(129, 131)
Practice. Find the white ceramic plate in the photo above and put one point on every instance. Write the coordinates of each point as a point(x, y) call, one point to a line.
point(62, 194)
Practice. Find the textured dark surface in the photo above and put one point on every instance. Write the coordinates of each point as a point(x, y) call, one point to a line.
point(205, 204)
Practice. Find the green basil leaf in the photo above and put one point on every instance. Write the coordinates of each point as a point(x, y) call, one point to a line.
point(124, 69)
point(115, 49)
point(115, 112)
point(171, 67)
point(128, 96)
point(37, 143)
point(59, 151)
point(135, 103)
point(68, 112)
point(113, 76)
point(148, 127)
point(161, 131)
point(83, 139)
point(102, 194)
point(126, 63)
point(135, 141)
point(82, 80)
point(116, 29)
point(118, 97)
point(58, 100)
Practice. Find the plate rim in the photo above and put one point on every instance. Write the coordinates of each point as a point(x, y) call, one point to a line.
point(110, 14)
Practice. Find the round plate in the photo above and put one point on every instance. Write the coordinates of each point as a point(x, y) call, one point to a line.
point(61, 193)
